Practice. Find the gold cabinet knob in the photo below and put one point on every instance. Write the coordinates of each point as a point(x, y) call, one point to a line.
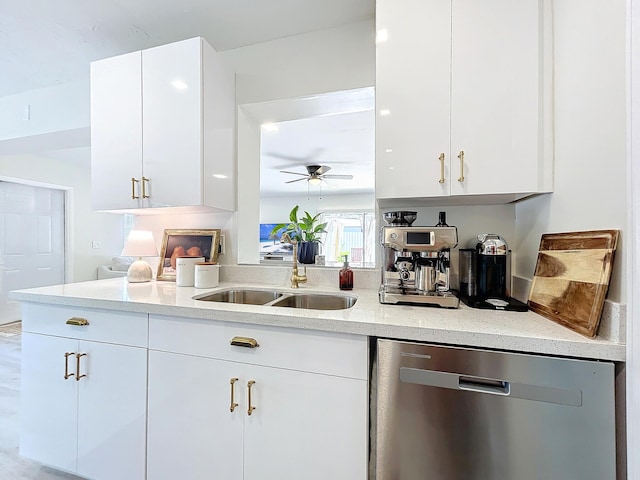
point(145, 182)
point(251, 408)
point(66, 365)
point(246, 342)
point(133, 188)
point(233, 403)
point(441, 158)
point(461, 157)
point(78, 322)
point(78, 356)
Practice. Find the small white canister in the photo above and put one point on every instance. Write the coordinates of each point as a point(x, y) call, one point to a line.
point(185, 270)
point(207, 275)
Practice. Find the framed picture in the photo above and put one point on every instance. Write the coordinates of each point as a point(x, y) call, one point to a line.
point(186, 243)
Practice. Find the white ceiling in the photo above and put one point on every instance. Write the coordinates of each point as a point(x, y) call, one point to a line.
point(49, 42)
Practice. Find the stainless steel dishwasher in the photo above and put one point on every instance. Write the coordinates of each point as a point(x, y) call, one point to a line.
point(450, 413)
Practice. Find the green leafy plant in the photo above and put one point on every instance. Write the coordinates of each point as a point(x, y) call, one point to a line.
point(304, 229)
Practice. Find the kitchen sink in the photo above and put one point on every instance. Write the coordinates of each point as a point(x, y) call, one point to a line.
point(274, 298)
point(315, 301)
point(243, 296)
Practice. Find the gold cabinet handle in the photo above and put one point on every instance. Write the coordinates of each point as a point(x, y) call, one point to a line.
point(441, 158)
point(133, 189)
point(246, 342)
point(251, 408)
point(78, 322)
point(461, 157)
point(233, 404)
point(66, 365)
point(144, 187)
point(78, 376)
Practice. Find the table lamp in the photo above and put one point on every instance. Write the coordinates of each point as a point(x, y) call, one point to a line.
point(139, 243)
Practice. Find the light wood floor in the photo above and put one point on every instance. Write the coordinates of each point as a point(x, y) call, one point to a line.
point(12, 466)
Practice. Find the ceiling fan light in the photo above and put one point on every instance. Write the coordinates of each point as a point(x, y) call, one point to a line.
point(314, 181)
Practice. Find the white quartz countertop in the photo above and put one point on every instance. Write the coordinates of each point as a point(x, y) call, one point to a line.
point(511, 331)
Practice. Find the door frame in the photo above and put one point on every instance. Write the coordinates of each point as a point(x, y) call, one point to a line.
point(68, 218)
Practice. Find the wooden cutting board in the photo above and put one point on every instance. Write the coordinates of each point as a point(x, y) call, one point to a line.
point(572, 277)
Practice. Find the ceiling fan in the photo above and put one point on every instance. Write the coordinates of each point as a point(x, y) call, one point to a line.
point(316, 174)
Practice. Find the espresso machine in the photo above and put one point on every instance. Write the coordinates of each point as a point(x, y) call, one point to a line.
point(485, 275)
point(416, 264)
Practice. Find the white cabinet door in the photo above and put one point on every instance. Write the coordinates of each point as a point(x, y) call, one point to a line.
point(49, 403)
point(412, 98)
point(191, 431)
point(305, 425)
point(112, 411)
point(469, 81)
point(495, 96)
point(116, 132)
point(172, 132)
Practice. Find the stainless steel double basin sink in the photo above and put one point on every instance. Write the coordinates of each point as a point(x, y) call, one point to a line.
point(275, 298)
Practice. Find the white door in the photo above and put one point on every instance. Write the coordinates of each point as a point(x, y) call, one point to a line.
point(112, 409)
point(305, 425)
point(192, 432)
point(49, 408)
point(31, 241)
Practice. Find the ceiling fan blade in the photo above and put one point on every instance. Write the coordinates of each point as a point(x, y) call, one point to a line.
point(339, 177)
point(294, 173)
point(322, 169)
point(297, 180)
point(292, 158)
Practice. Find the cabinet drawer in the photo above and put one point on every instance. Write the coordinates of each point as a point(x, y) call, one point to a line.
point(305, 350)
point(123, 328)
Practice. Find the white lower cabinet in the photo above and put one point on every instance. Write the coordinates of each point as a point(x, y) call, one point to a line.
point(93, 422)
point(93, 426)
point(129, 396)
point(192, 433)
point(302, 424)
point(305, 425)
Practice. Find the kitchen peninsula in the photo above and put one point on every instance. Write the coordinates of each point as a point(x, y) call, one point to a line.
point(514, 331)
point(260, 389)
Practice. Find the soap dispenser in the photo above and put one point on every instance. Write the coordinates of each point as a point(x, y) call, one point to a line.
point(346, 275)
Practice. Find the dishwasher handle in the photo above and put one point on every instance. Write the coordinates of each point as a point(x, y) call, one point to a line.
point(524, 391)
point(483, 385)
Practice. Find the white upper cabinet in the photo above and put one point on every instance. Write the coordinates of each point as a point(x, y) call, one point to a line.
point(163, 129)
point(463, 100)
point(412, 97)
point(116, 132)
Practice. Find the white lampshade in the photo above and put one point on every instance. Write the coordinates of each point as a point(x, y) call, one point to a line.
point(140, 243)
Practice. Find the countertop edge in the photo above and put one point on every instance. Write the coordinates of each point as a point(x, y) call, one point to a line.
point(575, 347)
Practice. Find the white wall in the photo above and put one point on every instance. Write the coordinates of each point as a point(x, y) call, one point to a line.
point(589, 135)
point(335, 59)
point(328, 60)
point(53, 109)
point(276, 209)
point(158, 223)
point(87, 225)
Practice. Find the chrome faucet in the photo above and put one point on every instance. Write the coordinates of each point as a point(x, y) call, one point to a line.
point(295, 278)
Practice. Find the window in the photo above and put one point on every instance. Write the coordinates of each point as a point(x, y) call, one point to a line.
point(352, 234)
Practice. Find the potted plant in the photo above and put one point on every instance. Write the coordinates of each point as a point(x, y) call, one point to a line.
point(306, 230)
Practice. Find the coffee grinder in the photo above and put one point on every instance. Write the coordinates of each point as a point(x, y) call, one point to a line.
point(485, 275)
